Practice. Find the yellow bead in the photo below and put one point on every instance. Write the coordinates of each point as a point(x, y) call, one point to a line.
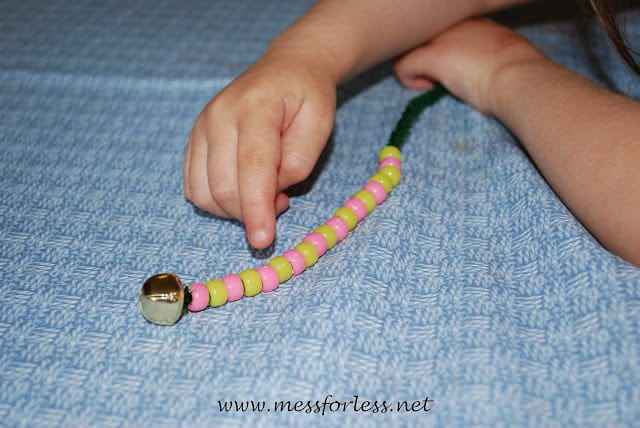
point(390, 151)
point(368, 199)
point(348, 216)
point(282, 267)
point(329, 234)
point(218, 294)
point(251, 281)
point(382, 179)
point(309, 252)
point(392, 173)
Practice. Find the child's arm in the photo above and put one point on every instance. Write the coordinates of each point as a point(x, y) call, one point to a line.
point(266, 130)
point(584, 139)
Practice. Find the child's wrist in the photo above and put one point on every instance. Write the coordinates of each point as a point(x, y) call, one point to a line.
point(505, 83)
point(312, 52)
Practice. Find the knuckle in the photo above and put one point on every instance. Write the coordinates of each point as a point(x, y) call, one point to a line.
point(255, 96)
point(252, 158)
point(252, 98)
point(223, 196)
point(213, 110)
point(213, 201)
point(201, 199)
point(252, 205)
point(296, 167)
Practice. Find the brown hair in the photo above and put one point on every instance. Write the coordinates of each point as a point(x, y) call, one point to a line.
point(605, 10)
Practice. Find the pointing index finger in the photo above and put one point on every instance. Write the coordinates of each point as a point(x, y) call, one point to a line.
point(258, 161)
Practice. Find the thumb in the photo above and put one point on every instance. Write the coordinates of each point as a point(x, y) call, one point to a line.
point(417, 68)
point(304, 140)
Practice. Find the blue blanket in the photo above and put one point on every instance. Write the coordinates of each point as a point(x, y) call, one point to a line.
point(472, 296)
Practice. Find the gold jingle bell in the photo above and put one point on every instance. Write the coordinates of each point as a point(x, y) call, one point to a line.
point(162, 299)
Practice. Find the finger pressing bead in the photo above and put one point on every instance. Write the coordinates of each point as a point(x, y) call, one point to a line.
point(251, 281)
point(218, 294)
point(162, 297)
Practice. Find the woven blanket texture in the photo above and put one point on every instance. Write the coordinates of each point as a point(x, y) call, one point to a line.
point(472, 285)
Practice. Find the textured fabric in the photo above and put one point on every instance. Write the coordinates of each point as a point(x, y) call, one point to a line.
point(472, 285)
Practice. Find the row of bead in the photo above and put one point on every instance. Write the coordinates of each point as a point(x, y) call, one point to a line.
point(279, 269)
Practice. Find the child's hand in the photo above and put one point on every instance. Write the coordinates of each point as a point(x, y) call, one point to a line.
point(467, 59)
point(258, 136)
point(582, 137)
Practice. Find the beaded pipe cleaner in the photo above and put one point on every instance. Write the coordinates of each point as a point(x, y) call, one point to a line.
point(163, 299)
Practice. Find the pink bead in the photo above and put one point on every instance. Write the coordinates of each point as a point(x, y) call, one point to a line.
point(391, 161)
point(317, 241)
point(340, 226)
point(199, 297)
point(358, 207)
point(298, 263)
point(378, 191)
point(235, 289)
point(269, 276)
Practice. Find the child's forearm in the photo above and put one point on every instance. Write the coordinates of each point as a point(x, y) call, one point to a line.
point(347, 37)
point(585, 141)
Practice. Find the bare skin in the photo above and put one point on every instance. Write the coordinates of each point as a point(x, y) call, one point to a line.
point(266, 130)
point(583, 138)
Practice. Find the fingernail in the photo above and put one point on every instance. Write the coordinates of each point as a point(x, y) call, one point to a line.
point(259, 237)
